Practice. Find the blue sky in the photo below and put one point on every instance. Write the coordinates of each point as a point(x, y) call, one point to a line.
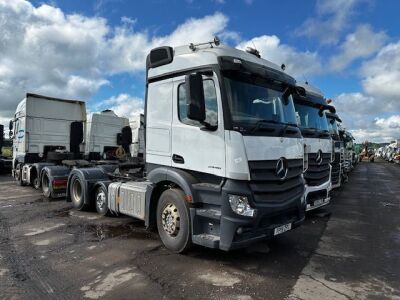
point(94, 50)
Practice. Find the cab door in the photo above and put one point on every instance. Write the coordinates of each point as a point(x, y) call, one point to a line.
point(193, 147)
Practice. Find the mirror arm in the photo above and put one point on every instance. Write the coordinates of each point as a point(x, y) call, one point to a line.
point(208, 127)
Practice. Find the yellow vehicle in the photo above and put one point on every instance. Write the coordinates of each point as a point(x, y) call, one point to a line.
point(367, 153)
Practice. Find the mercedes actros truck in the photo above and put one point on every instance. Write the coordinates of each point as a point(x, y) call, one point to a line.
point(337, 145)
point(314, 128)
point(224, 157)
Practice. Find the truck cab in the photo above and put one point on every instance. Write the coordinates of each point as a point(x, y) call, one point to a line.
point(338, 147)
point(349, 153)
point(102, 129)
point(44, 131)
point(224, 156)
point(106, 145)
point(314, 128)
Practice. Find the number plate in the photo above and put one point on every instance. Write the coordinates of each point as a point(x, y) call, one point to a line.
point(282, 229)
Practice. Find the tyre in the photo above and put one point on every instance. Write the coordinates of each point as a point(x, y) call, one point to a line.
point(173, 221)
point(101, 201)
point(46, 185)
point(77, 193)
point(36, 182)
point(18, 175)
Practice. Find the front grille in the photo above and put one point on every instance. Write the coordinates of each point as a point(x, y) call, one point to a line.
point(317, 174)
point(335, 175)
point(267, 187)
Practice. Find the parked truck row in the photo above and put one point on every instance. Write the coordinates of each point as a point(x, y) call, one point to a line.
point(230, 149)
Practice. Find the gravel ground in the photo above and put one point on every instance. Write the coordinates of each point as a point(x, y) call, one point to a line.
point(350, 250)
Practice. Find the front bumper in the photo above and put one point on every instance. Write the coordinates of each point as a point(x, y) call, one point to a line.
point(217, 226)
point(317, 196)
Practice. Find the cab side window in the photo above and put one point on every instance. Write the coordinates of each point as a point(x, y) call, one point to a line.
point(210, 97)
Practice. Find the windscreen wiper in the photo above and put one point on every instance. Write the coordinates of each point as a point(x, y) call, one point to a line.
point(325, 133)
point(263, 121)
point(283, 131)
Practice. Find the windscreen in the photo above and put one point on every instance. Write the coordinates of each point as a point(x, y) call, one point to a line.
point(333, 128)
point(310, 117)
point(253, 100)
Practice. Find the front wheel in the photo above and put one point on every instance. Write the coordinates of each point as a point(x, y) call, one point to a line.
point(173, 221)
point(101, 201)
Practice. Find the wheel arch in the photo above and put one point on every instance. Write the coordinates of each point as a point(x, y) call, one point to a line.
point(162, 179)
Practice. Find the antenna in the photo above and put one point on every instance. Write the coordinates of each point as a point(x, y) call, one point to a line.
point(254, 45)
point(305, 79)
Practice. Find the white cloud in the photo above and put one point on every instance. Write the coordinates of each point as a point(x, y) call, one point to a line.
point(331, 19)
point(359, 44)
point(393, 122)
point(123, 105)
point(298, 63)
point(45, 51)
point(383, 130)
point(363, 111)
point(382, 75)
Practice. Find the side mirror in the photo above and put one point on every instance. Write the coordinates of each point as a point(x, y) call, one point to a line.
point(1, 136)
point(196, 108)
point(11, 129)
point(124, 138)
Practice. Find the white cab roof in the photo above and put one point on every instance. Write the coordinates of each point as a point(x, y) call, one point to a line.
point(185, 58)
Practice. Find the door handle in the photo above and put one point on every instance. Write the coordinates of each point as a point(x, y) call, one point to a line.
point(178, 159)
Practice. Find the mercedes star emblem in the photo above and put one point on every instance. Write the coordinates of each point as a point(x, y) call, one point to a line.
point(318, 159)
point(281, 168)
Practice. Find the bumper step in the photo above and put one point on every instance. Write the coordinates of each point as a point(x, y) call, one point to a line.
point(207, 240)
point(213, 214)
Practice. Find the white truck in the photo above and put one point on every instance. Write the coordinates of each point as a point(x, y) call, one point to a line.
point(337, 164)
point(106, 145)
point(224, 157)
point(314, 128)
point(137, 126)
point(45, 130)
point(52, 135)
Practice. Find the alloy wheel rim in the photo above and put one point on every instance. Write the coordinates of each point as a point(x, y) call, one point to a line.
point(170, 219)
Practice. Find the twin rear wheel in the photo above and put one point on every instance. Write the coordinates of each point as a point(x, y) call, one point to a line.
point(173, 221)
point(77, 193)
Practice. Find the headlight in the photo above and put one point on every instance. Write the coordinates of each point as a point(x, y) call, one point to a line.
point(241, 206)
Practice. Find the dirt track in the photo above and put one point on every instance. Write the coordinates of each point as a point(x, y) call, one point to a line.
point(50, 251)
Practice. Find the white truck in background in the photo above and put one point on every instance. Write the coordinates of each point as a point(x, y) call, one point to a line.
point(101, 142)
point(52, 135)
point(314, 129)
point(224, 157)
point(137, 147)
point(337, 172)
point(107, 146)
point(45, 130)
